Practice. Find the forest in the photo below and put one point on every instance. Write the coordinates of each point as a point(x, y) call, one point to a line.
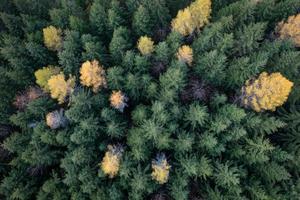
point(150, 99)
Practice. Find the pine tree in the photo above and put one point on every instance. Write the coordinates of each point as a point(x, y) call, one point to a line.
point(142, 21)
point(70, 57)
point(163, 117)
point(119, 44)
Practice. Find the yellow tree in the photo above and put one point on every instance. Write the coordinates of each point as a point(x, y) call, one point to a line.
point(110, 164)
point(118, 100)
point(192, 18)
point(184, 23)
point(92, 75)
point(145, 45)
point(290, 29)
point(185, 54)
point(266, 92)
point(160, 169)
point(52, 38)
point(43, 75)
point(61, 88)
point(200, 10)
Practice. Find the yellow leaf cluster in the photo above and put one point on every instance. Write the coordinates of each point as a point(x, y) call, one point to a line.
point(52, 38)
point(118, 100)
point(145, 45)
point(160, 169)
point(92, 75)
point(43, 75)
point(192, 18)
point(111, 161)
point(185, 54)
point(290, 29)
point(266, 92)
point(61, 88)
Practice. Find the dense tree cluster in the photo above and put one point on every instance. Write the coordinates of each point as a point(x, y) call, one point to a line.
point(149, 99)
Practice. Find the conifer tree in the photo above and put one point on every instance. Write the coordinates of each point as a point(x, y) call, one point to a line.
point(173, 121)
point(119, 44)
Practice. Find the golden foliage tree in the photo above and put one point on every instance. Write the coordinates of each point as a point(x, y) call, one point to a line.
point(43, 75)
point(185, 54)
point(290, 29)
point(61, 88)
point(111, 161)
point(92, 75)
point(52, 38)
point(192, 18)
point(160, 169)
point(118, 100)
point(266, 92)
point(145, 45)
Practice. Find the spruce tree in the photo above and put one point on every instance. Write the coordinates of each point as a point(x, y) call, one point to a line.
point(149, 99)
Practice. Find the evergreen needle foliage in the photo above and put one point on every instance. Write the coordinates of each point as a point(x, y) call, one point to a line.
point(149, 99)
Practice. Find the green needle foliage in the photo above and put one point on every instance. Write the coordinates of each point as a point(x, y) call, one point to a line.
point(181, 122)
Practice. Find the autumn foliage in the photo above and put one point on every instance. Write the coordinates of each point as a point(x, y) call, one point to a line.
point(52, 38)
point(60, 88)
point(92, 75)
point(118, 100)
point(110, 164)
point(192, 18)
point(149, 100)
point(145, 45)
point(43, 75)
point(290, 29)
point(160, 169)
point(185, 54)
point(267, 92)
